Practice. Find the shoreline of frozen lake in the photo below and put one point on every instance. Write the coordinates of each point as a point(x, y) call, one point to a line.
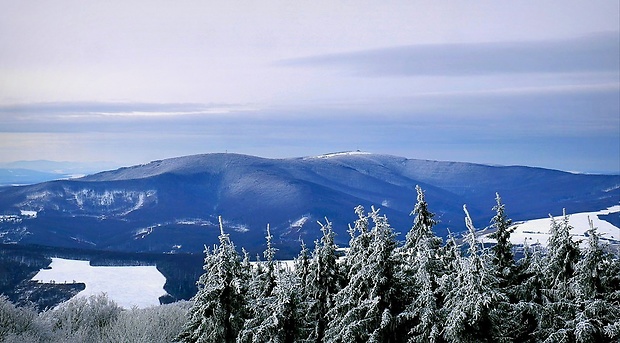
point(128, 286)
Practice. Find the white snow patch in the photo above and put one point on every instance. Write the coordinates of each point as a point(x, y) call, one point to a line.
point(141, 233)
point(29, 214)
point(194, 221)
point(128, 201)
point(284, 264)
point(139, 286)
point(81, 240)
point(536, 231)
point(611, 188)
point(299, 223)
point(38, 195)
point(344, 153)
point(241, 228)
point(10, 218)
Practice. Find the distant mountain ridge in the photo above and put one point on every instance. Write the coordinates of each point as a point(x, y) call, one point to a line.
point(30, 172)
point(172, 205)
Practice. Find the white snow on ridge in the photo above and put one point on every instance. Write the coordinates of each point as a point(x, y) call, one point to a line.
point(344, 153)
point(139, 286)
point(536, 231)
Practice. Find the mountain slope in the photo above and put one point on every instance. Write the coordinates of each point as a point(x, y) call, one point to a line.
point(173, 204)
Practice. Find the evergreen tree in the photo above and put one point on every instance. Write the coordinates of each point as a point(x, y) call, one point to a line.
point(527, 294)
point(267, 280)
point(598, 316)
point(559, 306)
point(503, 258)
point(561, 259)
point(422, 270)
point(322, 283)
point(259, 326)
point(359, 244)
point(422, 229)
point(591, 268)
point(302, 267)
point(450, 255)
point(367, 308)
point(476, 308)
point(281, 317)
point(218, 311)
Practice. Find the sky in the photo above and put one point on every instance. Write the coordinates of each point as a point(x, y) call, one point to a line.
point(532, 83)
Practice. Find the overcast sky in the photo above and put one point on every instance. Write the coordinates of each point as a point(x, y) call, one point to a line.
point(500, 82)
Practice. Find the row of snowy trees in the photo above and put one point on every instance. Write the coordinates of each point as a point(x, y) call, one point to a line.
point(96, 319)
point(424, 290)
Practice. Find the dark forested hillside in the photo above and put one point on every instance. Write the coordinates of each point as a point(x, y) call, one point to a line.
point(172, 205)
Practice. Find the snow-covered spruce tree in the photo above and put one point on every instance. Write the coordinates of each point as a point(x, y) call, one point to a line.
point(366, 309)
point(562, 256)
point(503, 258)
point(450, 256)
point(422, 229)
point(359, 245)
point(592, 270)
point(281, 317)
point(246, 275)
point(422, 270)
point(559, 306)
point(274, 303)
point(322, 283)
point(526, 293)
point(302, 267)
point(510, 276)
point(476, 308)
point(598, 315)
point(265, 281)
point(218, 311)
point(301, 272)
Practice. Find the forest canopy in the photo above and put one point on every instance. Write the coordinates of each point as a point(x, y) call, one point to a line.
point(378, 289)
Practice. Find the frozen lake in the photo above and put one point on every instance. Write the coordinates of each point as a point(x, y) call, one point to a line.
point(139, 286)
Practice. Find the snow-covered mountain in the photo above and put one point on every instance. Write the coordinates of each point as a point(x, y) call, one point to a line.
point(172, 205)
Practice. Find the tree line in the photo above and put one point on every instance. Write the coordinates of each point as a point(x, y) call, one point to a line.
point(424, 290)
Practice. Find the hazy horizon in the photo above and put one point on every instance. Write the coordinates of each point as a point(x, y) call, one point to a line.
point(69, 167)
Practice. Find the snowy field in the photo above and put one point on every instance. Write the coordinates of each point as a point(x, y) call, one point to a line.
point(139, 286)
point(537, 230)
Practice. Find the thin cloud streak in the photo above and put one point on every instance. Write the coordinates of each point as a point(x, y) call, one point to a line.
point(98, 110)
point(593, 53)
point(570, 109)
